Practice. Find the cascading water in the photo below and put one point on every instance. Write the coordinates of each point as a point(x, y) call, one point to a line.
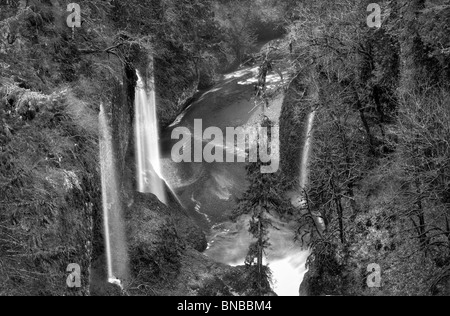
point(304, 169)
point(218, 183)
point(297, 196)
point(114, 228)
point(148, 173)
point(285, 257)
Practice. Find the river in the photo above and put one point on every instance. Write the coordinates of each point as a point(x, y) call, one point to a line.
point(210, 191)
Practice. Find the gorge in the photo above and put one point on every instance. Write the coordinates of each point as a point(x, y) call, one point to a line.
point(313, 145)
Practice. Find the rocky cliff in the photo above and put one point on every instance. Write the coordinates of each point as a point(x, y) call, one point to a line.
point(50, 202)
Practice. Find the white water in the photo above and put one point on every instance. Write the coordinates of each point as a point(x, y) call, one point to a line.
point(289, 272)
point(304, 171)
point(304, 175)
point(148, 172)
point(229, 242)
point(285, 258)
point(114, 230)
point(297, 196)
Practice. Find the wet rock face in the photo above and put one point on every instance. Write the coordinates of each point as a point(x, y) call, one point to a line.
point(292, 130)
point(174, 93)
point(306, 285)
point(123, 129)
point(157, 235)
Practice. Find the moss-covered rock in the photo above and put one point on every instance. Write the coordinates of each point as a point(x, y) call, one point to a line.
point(49, 189)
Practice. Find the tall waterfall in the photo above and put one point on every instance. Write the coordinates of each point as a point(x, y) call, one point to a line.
point(304, 167)
point(148, 173)
point(114, 228)
point(304, 170)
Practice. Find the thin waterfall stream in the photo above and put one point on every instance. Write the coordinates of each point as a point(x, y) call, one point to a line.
point(114, 226)
point(304, 169)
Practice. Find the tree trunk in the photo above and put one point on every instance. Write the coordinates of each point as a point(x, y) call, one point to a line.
point(339, 210)
point(260, 255)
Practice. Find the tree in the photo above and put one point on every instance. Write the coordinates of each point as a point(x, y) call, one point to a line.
point(261, 201)
point(379, 92)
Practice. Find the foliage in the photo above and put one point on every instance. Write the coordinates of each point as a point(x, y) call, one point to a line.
point(378, 170)
point(49, 190)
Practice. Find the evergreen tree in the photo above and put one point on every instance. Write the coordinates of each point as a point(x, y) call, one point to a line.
point(261, 201)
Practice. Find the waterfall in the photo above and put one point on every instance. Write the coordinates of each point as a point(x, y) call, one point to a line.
point(304, 167)
point(148, 172)
point(304, 170)
point(114, 228)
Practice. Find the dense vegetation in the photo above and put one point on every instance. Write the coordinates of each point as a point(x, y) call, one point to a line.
point(380, 173)
point(380, 165)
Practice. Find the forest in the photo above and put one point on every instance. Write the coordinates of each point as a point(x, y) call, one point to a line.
point(363, 93)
